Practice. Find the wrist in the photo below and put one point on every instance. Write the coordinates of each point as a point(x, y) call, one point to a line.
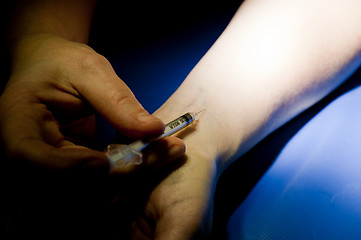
point(208, 138)
point(33, 48)
point(68, 19)
point(26, 45)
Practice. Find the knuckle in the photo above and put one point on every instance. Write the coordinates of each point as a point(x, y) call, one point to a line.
point(93, 62)
point(123, 99)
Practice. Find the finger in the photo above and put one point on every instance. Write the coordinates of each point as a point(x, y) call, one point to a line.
point(67, 156)
point(163, 152)
point(112, 98)
point(30, 133)
point(158, 155)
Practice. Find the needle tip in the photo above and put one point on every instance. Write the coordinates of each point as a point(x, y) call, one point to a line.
point(197, 114)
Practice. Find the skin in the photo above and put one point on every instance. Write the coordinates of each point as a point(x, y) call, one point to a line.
point(47, 121)
point(274, 60)
point(56, 85)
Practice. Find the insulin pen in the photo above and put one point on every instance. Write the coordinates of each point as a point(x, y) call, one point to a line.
point(120, 154)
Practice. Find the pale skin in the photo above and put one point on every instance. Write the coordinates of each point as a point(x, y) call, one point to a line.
point(275, 59)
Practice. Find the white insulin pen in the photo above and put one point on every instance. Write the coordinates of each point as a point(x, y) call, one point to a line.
point(120, 154)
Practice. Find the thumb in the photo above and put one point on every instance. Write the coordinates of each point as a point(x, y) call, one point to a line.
point(116, 103)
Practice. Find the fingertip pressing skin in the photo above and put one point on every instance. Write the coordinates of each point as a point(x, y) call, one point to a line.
point(150, 123)
point(164, 151)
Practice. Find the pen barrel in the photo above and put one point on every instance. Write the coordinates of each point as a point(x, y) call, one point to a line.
point(119, 154)
point(178, 124)
point(170, 128)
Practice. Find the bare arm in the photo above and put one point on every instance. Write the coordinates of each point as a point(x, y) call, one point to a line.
point(275, 59)
point(68, 19)
point(36, 19)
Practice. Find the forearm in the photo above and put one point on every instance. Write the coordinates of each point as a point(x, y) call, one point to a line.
point(68, 19)
point(34, 19)
point(275, 59)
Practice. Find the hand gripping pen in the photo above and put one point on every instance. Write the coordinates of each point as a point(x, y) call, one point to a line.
point(120, 154)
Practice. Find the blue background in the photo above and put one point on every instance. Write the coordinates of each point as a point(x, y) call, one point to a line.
point(301, 182)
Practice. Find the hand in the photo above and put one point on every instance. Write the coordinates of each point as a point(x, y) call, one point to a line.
point(47, 130)
point(47, 109)
point(180, 206)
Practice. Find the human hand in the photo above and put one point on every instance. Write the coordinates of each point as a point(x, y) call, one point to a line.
point(47, 109)
point(47, 129)
point(180, 206)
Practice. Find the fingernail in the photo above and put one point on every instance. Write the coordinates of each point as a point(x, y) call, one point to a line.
point(144, 117)
point(152, 158)
point(176, 151)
